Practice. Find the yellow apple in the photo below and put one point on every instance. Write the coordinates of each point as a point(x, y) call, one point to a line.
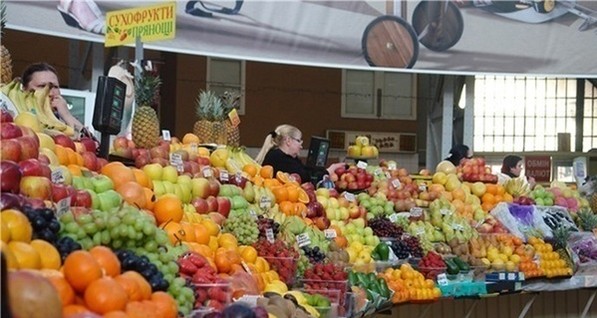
point(362, 141)
point(219, 157)
point(369, 151)
point(354, 151)
point(446, 167)
point(439, 178)
point(28, 119)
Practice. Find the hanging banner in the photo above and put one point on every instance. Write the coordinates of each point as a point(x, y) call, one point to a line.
point(153, 23)
point(556, 38)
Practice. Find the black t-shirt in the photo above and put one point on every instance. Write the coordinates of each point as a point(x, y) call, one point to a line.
point(283, 162)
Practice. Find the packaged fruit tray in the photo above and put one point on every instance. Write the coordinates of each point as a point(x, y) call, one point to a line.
point(285, 266)
point(462, 289)
point(212, 296)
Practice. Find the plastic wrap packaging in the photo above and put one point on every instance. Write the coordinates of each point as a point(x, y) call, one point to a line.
point(521, 220)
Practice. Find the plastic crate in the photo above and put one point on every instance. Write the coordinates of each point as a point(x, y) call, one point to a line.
point(284, 266)
point(212, 296)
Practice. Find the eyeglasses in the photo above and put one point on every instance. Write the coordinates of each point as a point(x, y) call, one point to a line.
point(300, 141)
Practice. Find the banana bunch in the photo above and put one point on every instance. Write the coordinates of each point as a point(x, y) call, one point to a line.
point(233, 166)
point(37, 102)
point(517, 187)
point(239, 155)
point(264, 195)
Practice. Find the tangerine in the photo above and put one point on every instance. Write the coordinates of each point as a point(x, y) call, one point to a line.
point(488, 198)
point(174, 230)
point(105, 295)
point(142, 178)
point(149, 199)
point(201, 233)
point(18, 225)
point(286, 207)
point(116, 314)
point(107, 260)
point(73, 310)
point(281, 193)
point(144, 286)
point(49, 255)
point(250, 169)
point(293, 192)
point(75, 170)
point(130, 286)
point(491, 188)
point(141, 309)
point(64, 289)
point(81, 269)
point(266, 172)
point(61, 154)
point(168, 208)
point(188, 232)
point(166, 305)
point(25, 255)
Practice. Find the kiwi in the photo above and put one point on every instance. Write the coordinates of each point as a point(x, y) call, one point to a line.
point(276, 311)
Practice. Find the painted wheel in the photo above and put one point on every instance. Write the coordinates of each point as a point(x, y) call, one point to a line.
point(437, 30)
point(544, 6)
point(389, 41)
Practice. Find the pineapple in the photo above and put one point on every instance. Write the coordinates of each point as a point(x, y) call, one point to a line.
point(587, 220)
point(146, 126)
point(231, 101)
point(593, 202)
point(203, 126)
point(218, 128)
point(6, 60)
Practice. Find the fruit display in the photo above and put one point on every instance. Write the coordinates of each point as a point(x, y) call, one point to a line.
point(475, 169)
point(362, 149)
point(189, 231)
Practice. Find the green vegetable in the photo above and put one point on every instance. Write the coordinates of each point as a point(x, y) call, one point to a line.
point(384, 289)
point(353, 279)
point(462, 265)
point(363, 280)
point(383, 251)
point(451, 267)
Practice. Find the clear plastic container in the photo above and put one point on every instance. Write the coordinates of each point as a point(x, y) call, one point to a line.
point(212, 296)
point(284, 266)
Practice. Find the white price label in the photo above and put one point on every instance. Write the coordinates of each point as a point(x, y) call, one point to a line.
point(423, 187)
point(396, 184)
point(194, 147)
point(180, 168)
point(265, 203)
point(303, 239)
point(166, 135)
point(442, 279)
point(245, 267)
point(511, 276)
point(378, 172)
point(207, 173)
point(416, 212)
point(521, 275)
point(361, 164)
point(393, 217)
point(269, 235)
point(330, 233)
point(224, 176)
point(392, 166)
point(458, 227)
point(62, 207)
point(420, 232)
point(250, 300)
point(57, 176)
point(175, 159)
point(349, 196)
point(388, 175)
point(502, 276)
point(445, 211)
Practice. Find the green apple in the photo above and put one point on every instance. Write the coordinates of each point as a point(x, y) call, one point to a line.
point(359, 223)
point(102, 183)
point(109, 200)
point(177, 190)
point(324, 192)
point(154, 171)
point(77, 182)
point(170, 174)
point(184, 179)
point(350, 229)
point(324, 201)
point(168, 186)
point(88, 184)
point(158, 188)
point(344, 213)
point(187, 192)
point(95, 201)
point(371, 240)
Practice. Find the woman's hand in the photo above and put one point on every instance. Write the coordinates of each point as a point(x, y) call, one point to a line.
point(59, 103)
point(335, 166)
point(532, 182)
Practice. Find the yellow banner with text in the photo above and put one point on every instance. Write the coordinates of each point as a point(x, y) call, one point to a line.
point(151, 23)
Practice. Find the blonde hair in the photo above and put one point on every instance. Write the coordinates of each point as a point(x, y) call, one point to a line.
point(275, 138)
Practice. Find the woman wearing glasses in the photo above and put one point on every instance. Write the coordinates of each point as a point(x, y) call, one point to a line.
point(281, 149)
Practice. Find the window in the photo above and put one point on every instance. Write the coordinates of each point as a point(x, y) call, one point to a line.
point(227, 75)
point(525, 113)
point(381, 95)
point(590, 118)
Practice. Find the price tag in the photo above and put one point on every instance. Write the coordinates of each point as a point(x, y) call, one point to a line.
point(245, 267)
point(166, 135)
point(361, 164)
point(378, 172)
point(423, 187)
point(303, 239)
point(194, 147)
point(388, 175)
point(396, 183)
point(207, 173)
point(265, 203)
point(502, 276)
point(458, 226)
point(349, 196)
point(62, 207)
point(252, 213)
point(393, 217)
point(234, 118)
point(511, 276)
point(57, 176)
point(416, 212)
point(250, 300)
point(521, 275)
point(445, 211)
point(330, 233)
point(269, 235)
point(224, 176)
point(442, 279)
point(392, 166)
point(420, 232)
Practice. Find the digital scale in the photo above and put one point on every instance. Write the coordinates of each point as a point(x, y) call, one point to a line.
point(317, 157)
point(107, 114)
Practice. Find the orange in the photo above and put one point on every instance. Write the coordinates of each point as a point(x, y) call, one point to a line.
point(303, 196)
point(116, 314)
point(227, 240)
point(149, 199)
point(78, 159)
point(281, 193)
point(212, 227)
point(25, 255)
point(141, 309)
point(168, 208)
point(201, 233)
point(283, 177)
point(65, 291)
point(74, 309)
point(174, 230)
point(166, 305)
point(500, 190)
point(491, 188)
point(488, 198)
point(257, 180)
point(133, 194)
point(266, 172)
point(107, 260)
point(109, 167)
point(270, 183)
point(250, 169)
point(104, 295)
point(300, 209)
point(486, 206)
point(18, 225)
point(142, 178)
point(286, 207)
point(459, 194)
point(120, 175)
point(508, 197)
point(188, 232)
point(72, 156)
point(249, 254)
point(293, 192)
point(190, 138)
point(130, 286)
point(144, 287)
point(75, 170)
point(81, 269)
point(49, 255)
point(62, 155)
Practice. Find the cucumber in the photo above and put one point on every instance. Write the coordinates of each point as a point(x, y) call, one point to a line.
point(461, 264)
point(451, 267)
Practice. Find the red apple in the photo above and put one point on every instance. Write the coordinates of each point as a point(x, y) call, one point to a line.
point(200, 205)
point(61, 191)
point(322, 222)
point(81, 198)
point(159, 152)
point(296, 177)
point(224, 206)
point(212, 203)
point(354, 212)
point(120, 142)
point(123, 152)
point(203, 161)
point(36, 187)
point(30, 167)
point(10, 149)
point(29, 147)
point(5, 116)
point(217, 217)
point(90, 144)
point(142, 160)
point(213, 187)
point(10, 176)
point(101, 162)
point(90, 160)
point(43, 159)
point(10, 131)
point(65, 141)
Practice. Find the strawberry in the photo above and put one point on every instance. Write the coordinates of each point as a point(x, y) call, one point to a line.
point(217, 293)
point(200, 295)
point(197, 259)
point(186, 267)
point(338, 276)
